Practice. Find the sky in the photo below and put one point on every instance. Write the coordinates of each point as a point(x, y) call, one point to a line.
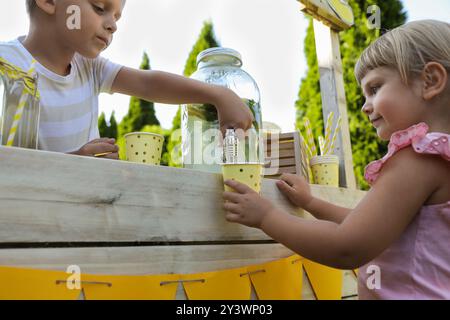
point(269, 34)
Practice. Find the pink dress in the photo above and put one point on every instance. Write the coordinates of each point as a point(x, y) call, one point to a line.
point(416, 266)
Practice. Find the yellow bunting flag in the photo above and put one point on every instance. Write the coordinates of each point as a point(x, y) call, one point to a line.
point(278, 280)
point(28, 284)
point(325, 281)
point(154, 287)
point(233, 284)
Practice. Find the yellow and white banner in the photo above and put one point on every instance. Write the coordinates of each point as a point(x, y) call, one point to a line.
point(276, 280)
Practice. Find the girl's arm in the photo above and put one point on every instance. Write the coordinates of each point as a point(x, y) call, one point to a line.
point(324, 210)
point(298, 191)
point(380, 218)
point(163, 87)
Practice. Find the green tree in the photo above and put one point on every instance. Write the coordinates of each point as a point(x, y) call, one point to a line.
point(140, 112)
point(107, 131)
point(366, 146)
point(206, 39)
point(103, 126)
point(113, 126)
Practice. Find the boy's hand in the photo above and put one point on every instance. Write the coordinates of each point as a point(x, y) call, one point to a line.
point(101, 148)
point(232, 111)
point(246, 206)
point(296, 189)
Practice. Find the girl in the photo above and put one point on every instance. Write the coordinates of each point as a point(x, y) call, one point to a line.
point(402, 226)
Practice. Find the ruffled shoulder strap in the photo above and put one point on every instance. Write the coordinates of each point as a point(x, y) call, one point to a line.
point(421, 141)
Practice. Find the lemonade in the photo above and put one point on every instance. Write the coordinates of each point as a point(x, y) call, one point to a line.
point(202, 140)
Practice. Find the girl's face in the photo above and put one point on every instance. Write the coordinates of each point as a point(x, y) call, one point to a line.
point(391, 105)
point(98, 20)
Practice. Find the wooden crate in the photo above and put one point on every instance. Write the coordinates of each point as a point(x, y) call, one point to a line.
point(285, 153)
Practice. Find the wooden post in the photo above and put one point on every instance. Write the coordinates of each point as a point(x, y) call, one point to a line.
point(330, 17)
point(333, 96)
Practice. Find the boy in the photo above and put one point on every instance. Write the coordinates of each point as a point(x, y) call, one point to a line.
point(72, 75)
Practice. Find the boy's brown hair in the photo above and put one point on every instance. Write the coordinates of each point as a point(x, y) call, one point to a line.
point(31, 4)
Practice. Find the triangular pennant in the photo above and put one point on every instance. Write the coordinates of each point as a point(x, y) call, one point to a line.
point(28, 284)
point(233, 284)
point(325, 281)
point(154, 287)
point(278, 280)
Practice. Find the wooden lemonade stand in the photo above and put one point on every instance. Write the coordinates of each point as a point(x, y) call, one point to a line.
point(120, 218)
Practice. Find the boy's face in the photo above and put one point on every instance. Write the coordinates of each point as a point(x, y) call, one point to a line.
point(97, 24)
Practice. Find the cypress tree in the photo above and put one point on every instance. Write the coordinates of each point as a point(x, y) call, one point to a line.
point(113, 126)
point(102, 126)
point(140, 112)
point(366, 146)
point(107, 131)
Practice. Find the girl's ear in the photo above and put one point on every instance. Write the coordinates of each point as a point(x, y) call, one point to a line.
point(434, 77)
point(48, 6)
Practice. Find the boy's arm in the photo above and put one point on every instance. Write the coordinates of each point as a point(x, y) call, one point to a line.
point(163, 87)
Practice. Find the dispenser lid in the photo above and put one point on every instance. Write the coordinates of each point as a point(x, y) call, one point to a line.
point(217, 51)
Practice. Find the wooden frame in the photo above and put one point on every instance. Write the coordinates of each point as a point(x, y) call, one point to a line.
point(118, 217)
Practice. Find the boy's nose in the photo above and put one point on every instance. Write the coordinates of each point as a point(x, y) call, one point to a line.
point(111, 26)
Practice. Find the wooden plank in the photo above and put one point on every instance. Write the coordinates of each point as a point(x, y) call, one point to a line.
point(159, 260)
point(145, 260)
point(288, 153)
point(285, 162)
point(321, 10)
point(339, 196)
point(52, 197)
point(333, 96)
point(280, 136)
point(298, 155)
point(279, 146)
point(150, 260)
point(279, 171)
point(287, 136)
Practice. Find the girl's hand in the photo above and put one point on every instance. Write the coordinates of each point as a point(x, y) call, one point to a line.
point(232, 111)
point(246, 206)
point(296, 189)
point(102, 148)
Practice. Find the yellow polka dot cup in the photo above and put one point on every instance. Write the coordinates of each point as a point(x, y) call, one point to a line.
point(144, 147)
point(245, 173)
point(325, 170)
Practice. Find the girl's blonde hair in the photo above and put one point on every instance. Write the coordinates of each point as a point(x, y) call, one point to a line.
point(408, 49)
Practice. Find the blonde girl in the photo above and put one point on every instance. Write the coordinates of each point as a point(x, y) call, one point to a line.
point(402, 226)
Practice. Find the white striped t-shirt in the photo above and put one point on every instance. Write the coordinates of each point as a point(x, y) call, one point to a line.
point(69, 104)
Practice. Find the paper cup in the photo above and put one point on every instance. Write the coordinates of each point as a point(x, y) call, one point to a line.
point(143, 147)
point(325, 170)
point(246, 173)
